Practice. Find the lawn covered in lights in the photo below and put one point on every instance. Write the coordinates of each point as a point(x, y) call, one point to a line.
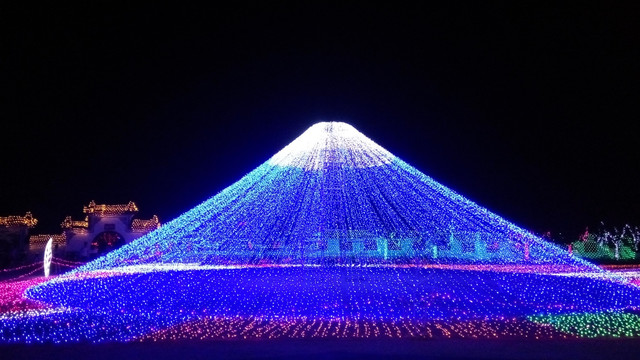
point(331, 237)
point(591, 325)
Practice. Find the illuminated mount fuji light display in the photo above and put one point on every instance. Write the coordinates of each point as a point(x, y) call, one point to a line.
point(335, 227)
point(334, 196)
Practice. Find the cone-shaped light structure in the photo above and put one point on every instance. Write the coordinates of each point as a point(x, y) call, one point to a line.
point(335, 226)
point(335, 196)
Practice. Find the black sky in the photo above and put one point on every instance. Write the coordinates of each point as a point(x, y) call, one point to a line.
point(529, 111)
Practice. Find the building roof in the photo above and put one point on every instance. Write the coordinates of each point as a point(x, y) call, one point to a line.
point(37, 240)
point(69, 223)
point(26, 220)
point(139, 225)
point(104, 209)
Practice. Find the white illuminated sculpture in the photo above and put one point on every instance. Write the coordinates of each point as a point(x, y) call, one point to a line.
point(48, 255)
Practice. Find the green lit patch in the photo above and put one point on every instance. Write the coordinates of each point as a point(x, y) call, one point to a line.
point(592, 249)
point(592, 325)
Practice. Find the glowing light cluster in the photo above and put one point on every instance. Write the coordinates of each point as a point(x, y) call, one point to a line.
point(333, 236)
point(598, 324)
point(330, 145)
point(38, 242)
point(106, 209)
point(140, 225)
point(12, 295)
point(27, 220)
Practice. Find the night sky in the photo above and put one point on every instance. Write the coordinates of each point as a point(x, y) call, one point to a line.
point(527, 111)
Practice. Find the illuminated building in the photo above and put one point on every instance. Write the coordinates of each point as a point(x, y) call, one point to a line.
point(14, 236)
point(104, 228)
point(38, 242)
